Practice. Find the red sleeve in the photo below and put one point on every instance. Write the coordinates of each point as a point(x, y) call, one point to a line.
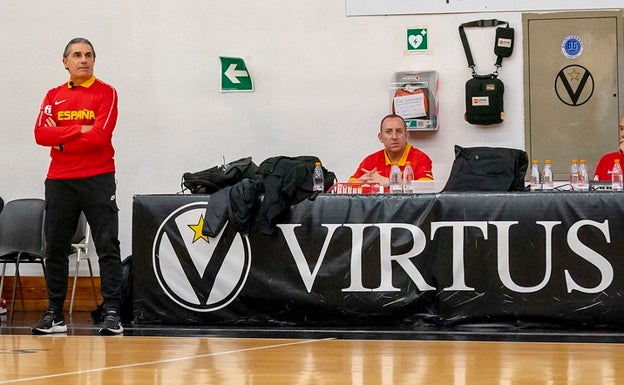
point(52, 135)
point(422, 165)
point(358, 173)
point(604, 166)
point(374, 160)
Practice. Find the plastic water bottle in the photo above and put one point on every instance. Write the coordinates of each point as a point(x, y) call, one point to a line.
point(548, 182)
point(318, 180)
point(574, 175)
point(616, 176)
point(536, 185)
point(408, 177)
point(395, 179)
point(583, 176)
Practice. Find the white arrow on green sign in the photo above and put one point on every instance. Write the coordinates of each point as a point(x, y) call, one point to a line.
point(234, 75)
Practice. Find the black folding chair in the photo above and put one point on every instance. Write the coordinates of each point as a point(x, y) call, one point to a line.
point(21, 240)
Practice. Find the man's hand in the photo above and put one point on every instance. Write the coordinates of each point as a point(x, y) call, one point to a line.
point(372, 176)
point(84, 129)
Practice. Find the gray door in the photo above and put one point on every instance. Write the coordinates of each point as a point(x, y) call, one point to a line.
point(572, 91)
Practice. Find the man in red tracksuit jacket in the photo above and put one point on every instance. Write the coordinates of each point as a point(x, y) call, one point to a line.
point(76, 122)
point(393, 133)
point(605, 164)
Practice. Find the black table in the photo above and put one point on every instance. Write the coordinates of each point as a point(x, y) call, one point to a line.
point(390, 260)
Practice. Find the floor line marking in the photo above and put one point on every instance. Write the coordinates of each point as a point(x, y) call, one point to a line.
point(165, 361)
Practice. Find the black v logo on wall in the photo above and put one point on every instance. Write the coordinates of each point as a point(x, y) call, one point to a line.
point(574, 85)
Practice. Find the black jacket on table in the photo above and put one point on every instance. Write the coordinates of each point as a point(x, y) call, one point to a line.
point(283, 180)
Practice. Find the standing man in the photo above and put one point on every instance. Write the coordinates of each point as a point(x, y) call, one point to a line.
point(605, 164)
point(393, 133)
point(76, 121)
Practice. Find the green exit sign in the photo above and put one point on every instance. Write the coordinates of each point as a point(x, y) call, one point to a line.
point(234, 75)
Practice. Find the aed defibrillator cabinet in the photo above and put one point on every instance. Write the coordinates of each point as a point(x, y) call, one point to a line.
point(414, 96)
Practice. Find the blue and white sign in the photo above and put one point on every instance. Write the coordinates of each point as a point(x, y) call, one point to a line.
point(572, 47)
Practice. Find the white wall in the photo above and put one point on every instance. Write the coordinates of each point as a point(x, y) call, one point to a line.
point(321, 85)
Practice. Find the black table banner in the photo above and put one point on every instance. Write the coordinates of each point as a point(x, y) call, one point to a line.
point(387, 260)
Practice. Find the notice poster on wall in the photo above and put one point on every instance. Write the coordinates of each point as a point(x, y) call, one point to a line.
point(414, 96)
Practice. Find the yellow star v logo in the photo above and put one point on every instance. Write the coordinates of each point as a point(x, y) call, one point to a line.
point(197, 229)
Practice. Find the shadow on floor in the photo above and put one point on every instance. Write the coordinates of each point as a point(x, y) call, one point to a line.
point(81, 323)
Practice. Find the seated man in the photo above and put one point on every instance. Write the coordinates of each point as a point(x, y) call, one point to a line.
point(605, 164)
point(393, 133)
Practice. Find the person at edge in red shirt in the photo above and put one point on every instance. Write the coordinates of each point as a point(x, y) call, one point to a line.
point(605, 164)
point(76, 121)
point(393, 133)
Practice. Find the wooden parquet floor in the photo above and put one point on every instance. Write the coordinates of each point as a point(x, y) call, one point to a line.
point(83, 357)
point(98, 360)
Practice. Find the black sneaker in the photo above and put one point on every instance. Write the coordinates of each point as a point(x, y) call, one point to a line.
point(112, 324)
point(50, 323)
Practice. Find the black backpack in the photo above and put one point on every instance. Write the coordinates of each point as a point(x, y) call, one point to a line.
point(217, 177)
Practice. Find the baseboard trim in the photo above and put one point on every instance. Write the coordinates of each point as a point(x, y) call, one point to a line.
point(35, 296)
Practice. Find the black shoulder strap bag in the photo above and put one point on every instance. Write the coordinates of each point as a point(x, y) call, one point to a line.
point(484, 93)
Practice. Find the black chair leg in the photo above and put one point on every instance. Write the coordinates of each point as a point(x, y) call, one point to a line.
point(17, 278)
point(95, 300)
